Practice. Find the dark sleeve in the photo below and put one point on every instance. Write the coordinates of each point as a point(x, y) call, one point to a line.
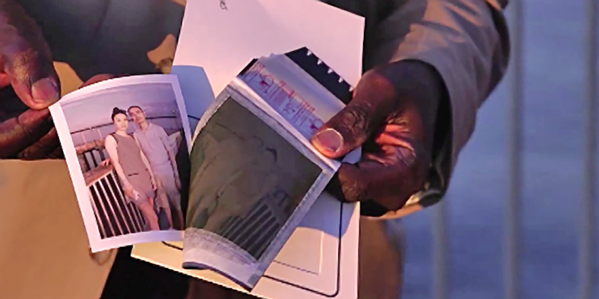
point(467, 43)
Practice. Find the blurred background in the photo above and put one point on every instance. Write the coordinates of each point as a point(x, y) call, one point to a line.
point(459, 249)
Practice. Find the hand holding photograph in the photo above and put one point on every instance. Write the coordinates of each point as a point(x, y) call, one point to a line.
point(255, 173)
point(251, 176)
point(228, 200)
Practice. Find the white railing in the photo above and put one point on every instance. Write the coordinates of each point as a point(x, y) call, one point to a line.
point(114, 215)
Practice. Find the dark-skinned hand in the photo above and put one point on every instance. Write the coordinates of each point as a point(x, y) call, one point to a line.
point(392, 116)
point(28, 85)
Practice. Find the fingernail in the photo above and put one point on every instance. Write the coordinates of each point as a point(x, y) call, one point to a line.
point(45, 91)
point(329, 139)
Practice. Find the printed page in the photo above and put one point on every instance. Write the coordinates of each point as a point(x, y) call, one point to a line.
point(126, 146)
point(303, 100)
point(252, 182)
point(296, 96)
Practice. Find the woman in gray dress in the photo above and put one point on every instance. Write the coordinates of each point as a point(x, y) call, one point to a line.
point(132, 168)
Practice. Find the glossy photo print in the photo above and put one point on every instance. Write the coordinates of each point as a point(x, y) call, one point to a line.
point(125, 142)
point(247, 197)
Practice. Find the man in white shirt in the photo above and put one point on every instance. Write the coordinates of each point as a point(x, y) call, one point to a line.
point(158, 148)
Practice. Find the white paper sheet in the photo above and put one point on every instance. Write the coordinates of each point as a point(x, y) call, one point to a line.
point(219, 42)
point(334, 35)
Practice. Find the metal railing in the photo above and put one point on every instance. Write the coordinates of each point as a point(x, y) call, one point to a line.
point(512, 225)
point(512, 222)
point(587, 246)
point(114, 215)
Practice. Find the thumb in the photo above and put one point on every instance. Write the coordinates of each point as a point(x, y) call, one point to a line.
point(26, 61)
point(349, 128)
point(368, 110)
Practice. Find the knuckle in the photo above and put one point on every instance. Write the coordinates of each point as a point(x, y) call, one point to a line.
point(22, 124)
point(414, 175)
point(30, 122)
point(356, 121)
point(407, 177)
point(353, 186)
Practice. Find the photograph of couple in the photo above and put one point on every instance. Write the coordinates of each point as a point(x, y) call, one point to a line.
point(146, 166)
point(131, 149)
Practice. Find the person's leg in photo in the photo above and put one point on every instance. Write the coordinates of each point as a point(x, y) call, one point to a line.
point(174, 198)
point(147, 210)
point(162, 204)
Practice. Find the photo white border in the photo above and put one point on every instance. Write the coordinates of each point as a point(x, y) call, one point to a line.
point(81, 190)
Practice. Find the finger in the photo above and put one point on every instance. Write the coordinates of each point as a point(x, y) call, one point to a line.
point(389, 185)
point(18, 133)
point(43, 148)
point(389, 174)
point(56, 154)
point(26, 60)
point(373, 101)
